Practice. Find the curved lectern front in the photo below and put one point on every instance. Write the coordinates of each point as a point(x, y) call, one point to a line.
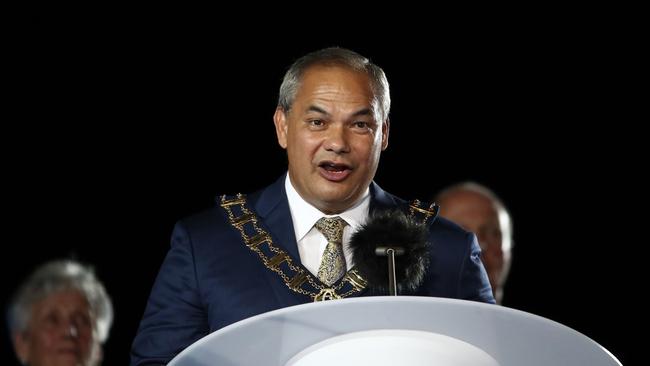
point(398, 330)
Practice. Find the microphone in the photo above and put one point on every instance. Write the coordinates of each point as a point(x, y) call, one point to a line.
point(391, 233)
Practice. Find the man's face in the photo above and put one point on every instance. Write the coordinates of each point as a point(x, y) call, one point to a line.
point(476, 213)
point(333, 137)
point(60, 332)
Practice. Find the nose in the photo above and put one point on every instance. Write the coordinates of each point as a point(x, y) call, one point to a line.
point(336, 140)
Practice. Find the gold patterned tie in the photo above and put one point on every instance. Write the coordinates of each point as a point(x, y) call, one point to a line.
point(332, 266)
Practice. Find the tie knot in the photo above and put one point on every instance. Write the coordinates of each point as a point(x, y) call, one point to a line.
point(332, 228)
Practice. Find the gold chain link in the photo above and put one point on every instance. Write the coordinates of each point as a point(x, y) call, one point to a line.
point(253, 243)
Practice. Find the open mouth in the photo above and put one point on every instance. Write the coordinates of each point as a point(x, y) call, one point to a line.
point(334, 172)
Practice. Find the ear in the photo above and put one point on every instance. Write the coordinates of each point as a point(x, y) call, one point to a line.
point(280, 120)
point(21, 346)
point(385, 128)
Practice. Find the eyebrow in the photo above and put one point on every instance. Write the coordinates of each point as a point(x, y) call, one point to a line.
point(313, 108)
point(361, 112)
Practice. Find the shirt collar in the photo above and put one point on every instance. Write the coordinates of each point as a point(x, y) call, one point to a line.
point(304, 215)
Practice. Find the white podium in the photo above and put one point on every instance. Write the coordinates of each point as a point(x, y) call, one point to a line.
point(398, 330)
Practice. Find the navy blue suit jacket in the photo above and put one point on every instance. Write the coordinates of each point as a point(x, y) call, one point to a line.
point(210, 279)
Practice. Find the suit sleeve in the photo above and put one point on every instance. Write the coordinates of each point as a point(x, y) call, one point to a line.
point(174, 316)
point(474, 284)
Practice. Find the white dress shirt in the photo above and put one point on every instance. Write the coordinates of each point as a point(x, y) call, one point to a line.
point(311, 242)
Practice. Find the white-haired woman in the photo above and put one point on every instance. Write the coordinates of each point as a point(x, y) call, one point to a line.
point(60, 316)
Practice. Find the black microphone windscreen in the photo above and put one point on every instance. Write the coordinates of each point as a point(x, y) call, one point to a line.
point(391, 228)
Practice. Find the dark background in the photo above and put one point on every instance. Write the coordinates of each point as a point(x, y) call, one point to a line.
point(119, 126)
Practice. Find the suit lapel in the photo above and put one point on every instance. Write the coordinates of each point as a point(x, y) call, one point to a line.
point(380, 199)
point(272, 208)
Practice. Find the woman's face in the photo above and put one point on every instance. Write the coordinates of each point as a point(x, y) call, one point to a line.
point(60, 332)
